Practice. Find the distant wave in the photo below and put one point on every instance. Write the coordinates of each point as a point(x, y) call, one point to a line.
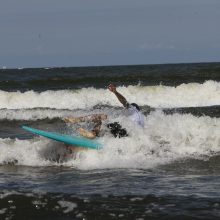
point(43, 79)
point(184, 95)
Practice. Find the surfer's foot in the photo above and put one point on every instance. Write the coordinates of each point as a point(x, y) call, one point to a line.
point(72, 151)
point(69, 151)
point(87, 134)
point(71, 120)
point(66, 156)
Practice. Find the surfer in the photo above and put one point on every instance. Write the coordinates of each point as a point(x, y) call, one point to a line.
point(115, 128)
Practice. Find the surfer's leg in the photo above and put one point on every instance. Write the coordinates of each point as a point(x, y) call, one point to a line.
point(71, 150)
point(97, 127)
point(68, 148)
point(93, 118)
point(96, 118)
point(95, 131)
point(87, 134)
point(68, 152)
point(72, 119)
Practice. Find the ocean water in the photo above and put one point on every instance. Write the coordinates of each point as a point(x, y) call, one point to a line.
point(168, 170)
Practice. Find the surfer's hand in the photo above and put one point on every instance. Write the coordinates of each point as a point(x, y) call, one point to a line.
point(112, 88)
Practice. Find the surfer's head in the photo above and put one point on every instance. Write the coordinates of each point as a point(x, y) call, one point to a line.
point(136, 106)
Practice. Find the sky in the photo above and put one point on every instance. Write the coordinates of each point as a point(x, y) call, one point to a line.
point(55, 33)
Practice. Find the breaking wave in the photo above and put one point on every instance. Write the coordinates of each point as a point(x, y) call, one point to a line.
point(166, 138)
point(184, 95)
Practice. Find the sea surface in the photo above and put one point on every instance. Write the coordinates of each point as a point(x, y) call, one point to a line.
point(168, 170)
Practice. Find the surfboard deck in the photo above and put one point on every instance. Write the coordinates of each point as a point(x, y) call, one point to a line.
point(71, 140)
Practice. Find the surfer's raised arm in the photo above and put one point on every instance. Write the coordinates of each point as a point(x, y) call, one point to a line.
point(133, 109)
point(120, 97)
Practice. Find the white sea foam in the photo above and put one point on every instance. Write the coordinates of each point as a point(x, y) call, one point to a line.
point(35, 152)
point(3, 211)
point(34, 114)
point(67, 206)
point(166, 138)
point(39, 114)
point(185, 95)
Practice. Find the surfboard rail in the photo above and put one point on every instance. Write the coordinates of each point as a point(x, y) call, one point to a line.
point(71, 140)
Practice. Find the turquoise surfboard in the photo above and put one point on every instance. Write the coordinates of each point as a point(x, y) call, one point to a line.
point(72, 140)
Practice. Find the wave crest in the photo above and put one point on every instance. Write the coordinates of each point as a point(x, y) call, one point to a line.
point(184, 95)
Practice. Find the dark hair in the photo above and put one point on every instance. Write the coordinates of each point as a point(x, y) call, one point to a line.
point(117, 130)
point(136, 106)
